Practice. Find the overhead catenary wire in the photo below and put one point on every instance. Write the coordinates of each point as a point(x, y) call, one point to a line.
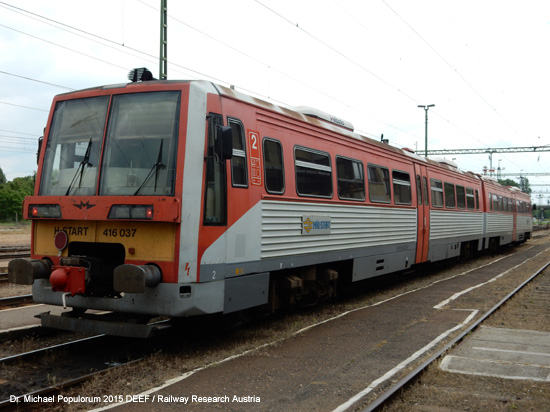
point(455, 71)
point(362, 67)
point(36, 80)
point(73, 29)
point(57, 23)
point(453, 68)
point(101, 40)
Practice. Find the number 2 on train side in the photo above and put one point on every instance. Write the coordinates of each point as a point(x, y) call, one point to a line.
point(255, 158)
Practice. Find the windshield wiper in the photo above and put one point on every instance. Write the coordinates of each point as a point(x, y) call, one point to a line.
point(85, 162)
point(156, 167)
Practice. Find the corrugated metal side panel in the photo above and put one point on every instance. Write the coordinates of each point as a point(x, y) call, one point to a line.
point(499, 223)
point(445, 224)
point(351, 227)
point(524, 224)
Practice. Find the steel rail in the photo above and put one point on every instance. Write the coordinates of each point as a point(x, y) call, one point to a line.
point(35, 352)
point(384, 397)
point(62, 385)
point(15, 254)
point(14, 300)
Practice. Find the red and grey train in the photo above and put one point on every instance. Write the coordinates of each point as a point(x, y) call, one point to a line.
point(168, 199)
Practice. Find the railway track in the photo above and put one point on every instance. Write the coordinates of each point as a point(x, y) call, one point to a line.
point(48, 370)
point(385, 398)
point(12, 252)
point(15, 301)
point(203, 344)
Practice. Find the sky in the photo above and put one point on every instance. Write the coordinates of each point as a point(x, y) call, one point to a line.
point(484, 65)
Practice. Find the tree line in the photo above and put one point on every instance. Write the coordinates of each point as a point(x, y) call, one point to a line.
point(12, 195)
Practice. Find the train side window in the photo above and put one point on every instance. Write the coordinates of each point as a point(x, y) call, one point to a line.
point(470, 200)
point(450, 199)
point(460, 197)
point(351, 179)
point(419, 189)
point(477, 199)
point(379, 184)
point(437, 192)
point(313, 172)
point(238, 161)
point(401, 188)
point(494, 206)
point(273, 166)
point(215, 194)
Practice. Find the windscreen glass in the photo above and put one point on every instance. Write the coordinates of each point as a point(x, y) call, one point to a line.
point(141, 144)
point(73, 147)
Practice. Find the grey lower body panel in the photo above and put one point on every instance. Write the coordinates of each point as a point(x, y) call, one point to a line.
point(405, 250)
point(245, 292)
point(165, 299)
point(381, 264)
point(503, 238)
point(447, 248)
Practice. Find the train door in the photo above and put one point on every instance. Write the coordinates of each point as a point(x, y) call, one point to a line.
point(423, 208)
point(214, 220)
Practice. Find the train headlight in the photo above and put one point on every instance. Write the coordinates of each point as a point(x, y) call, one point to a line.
point(44, 211)
point(139, 212)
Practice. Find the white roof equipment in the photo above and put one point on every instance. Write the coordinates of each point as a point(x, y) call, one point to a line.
point(310, 111)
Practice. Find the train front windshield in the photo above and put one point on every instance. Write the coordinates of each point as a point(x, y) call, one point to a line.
point(137, 153)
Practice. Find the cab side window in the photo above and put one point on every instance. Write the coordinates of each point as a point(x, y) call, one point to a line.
point(238, 161)
point(215, 194)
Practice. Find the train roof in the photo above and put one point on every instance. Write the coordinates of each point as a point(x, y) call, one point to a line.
point(340, 126)
point(302, 113)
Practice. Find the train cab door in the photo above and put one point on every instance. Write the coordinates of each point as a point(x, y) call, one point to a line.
point(423, 217)
point(214, 221)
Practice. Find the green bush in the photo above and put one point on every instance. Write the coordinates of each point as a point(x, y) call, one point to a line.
point(12, 195)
